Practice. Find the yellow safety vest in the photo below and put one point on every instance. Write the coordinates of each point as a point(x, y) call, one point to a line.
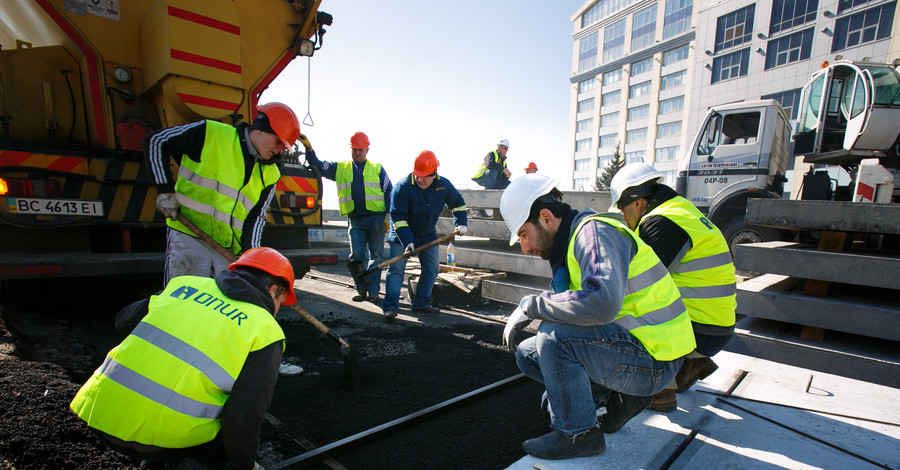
point(652, 309)
point(371, 183)
point(166, 383)
point(212, 192)
point(483, 168)
point(705, 275)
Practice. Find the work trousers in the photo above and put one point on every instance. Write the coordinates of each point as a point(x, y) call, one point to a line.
point(191, 256)
point(367, 246)
point(581, 365)
point(428, 258)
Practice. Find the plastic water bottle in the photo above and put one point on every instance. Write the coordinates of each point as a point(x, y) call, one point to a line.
point(451, 254)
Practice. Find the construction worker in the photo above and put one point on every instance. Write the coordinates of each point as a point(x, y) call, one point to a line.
point(364, 192)
point(416, 204)
point(531, 168)
point(224, 186)
point(493, 174)
point(614, 328)
point(195, 376)
point(695, 254)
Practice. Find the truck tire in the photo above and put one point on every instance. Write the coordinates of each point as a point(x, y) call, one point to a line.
point(737, 232)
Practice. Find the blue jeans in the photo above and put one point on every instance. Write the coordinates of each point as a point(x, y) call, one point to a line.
point(577, 363)
point(394, 280)
point(368, 231)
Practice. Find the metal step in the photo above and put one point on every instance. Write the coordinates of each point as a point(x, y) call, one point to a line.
point(859, 310)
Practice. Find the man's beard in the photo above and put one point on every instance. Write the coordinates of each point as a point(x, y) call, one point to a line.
point(544, 241)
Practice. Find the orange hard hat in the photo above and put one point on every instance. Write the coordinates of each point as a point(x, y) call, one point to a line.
point(531, 166)
point(426, 163)
point(359, 141)
point(283, 121)
point(272, 262)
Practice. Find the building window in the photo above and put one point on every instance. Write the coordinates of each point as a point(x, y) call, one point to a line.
point(603, 9)
point(638, 112)
point(578, 183)
point(791, 48)
point(734, 28)
point(635, 157)
point(789, 13)
point(614, 41)
point(643, 66)
point(585, 105)
point(675, 55)
point(865, 26)
point(608, 140)
point(730, 65)
point(672, 80)
point(643, 27)
point(603, 161)
point(788, 100)
point(636, 135)
point(587, 52)
point(612, 77)
point(640, 89)
point(584, 125)
point(669, 129)
point(671, 105)
point(612, 97)
point(665, 154)
point(583, 164)
point(844, 5)
point(678, 17)
point(582, 145)
point(610, 119)
point(586, 85)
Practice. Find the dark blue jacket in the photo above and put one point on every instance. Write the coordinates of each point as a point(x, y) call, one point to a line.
point(415, 211)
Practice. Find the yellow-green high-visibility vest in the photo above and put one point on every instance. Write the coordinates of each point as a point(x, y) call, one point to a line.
point(371, 183)
point(705, 275)
point(483, 168)
point(166, 383)
point(652, 309)
point(212, 192)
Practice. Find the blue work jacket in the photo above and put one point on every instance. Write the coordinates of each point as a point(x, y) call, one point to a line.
point(415, 211)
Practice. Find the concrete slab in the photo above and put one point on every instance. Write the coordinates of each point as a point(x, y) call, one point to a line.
point(800, 427)
point(824, 215)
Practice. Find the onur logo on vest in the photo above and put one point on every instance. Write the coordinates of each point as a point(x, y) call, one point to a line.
point(215, 303)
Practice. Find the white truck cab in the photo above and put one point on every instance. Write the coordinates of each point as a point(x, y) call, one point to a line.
point(740, 152)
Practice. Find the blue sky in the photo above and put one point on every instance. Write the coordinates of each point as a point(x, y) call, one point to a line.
point(451, 77)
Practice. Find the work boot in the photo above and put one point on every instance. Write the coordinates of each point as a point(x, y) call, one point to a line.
point(556, 446)
point(359, 297)
point(664, 401)
point(693, 370)
point(620, 408)
point(431, 309)
point(374, 297)
point(390, 314)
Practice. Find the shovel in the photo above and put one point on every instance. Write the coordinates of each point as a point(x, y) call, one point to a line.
point(359, 275)
point(351, 365)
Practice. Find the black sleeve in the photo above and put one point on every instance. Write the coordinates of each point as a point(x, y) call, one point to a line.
point(172, 142)
point(666, 238)
point(245, 409)
point(131, 315)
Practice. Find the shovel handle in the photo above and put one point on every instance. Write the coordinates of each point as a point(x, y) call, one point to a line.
point(406, 254)
point(231, 258)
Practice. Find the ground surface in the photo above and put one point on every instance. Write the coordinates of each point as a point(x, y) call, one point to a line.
point(408, 365)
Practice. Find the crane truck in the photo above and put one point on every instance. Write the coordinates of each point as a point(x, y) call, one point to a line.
point(82, 82)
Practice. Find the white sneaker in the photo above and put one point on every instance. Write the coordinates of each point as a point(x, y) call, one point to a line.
point(289, 369)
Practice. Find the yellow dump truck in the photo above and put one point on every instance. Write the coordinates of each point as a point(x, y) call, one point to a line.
point(83, 81)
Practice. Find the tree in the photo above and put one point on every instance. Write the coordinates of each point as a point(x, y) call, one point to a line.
point(610, 170)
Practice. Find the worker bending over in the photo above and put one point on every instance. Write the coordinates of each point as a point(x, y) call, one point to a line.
point(613, 330)
point(696, 255)
point(224, 185)
point(416, 204)
point(195, 376)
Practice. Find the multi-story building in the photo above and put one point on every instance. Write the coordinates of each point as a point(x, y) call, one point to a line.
point(645, 71)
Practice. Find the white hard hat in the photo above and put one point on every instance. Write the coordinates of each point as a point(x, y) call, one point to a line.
point(631, 175)
point(517, 198)
point(503, 142)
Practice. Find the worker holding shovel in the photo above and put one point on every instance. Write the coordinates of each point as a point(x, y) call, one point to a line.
point(416, 203)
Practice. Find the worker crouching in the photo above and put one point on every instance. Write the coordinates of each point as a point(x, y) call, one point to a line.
point(193, 380)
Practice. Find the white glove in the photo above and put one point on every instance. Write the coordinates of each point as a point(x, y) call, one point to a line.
point(409, 248)
point(168, 205)
point(257, 466)
point(462, 229)
point(515, 322)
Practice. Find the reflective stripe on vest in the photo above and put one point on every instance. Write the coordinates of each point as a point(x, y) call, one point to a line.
point(212, 192)
point(483, 168)
point(652, 309)
point(373, 192)
point(705, 276)
point(166, 383)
